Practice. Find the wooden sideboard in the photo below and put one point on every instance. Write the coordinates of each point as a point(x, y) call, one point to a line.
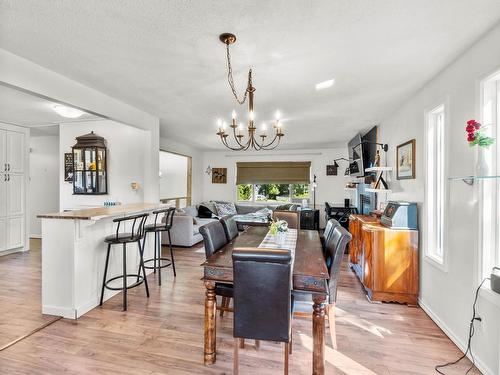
point(385, 260)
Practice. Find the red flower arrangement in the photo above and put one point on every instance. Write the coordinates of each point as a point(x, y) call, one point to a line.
point(474, 135)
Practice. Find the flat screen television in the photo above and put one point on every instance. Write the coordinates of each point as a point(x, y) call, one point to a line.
point(362, 150)
point(356, 167)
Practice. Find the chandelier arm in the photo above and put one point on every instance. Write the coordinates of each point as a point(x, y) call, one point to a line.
point(225, 143)
point(271, 142)
point(272, 148)
point(230, 79)
point(236, 139)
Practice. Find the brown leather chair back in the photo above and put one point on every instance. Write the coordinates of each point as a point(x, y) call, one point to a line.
point(291, 217)
point(335, 247)
point(262, 294)
point(230, 227)
point(214, 237)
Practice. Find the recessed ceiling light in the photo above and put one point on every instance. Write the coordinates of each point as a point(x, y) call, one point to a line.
point(68, 112)
point(325, 84)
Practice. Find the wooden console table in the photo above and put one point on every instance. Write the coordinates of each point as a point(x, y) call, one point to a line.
point(385, 260)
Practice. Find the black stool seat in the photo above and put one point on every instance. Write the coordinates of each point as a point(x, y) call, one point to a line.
point(224, 290)
point(134, 236)
point(161, 227)
point(122, 238)
point(161, 224)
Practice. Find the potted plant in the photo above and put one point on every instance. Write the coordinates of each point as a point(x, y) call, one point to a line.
point(279, 229)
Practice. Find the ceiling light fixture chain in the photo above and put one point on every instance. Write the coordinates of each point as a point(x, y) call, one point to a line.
point(251, 141)
point(230, 79)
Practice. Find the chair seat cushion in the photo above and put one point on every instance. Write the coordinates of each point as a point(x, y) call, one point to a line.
point(121, 238)
point(224, 290)
point(156, 228)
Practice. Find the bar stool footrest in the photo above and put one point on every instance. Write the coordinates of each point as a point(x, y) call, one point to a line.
point(167, 263)
point(137, 283)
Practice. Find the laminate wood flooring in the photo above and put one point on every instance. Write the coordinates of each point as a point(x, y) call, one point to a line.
point(164, 334)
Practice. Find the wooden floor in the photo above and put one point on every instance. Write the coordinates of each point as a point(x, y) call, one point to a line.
point(164, 334)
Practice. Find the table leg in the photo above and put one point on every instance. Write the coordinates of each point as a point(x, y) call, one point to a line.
point(210, 331)
point(319, 335)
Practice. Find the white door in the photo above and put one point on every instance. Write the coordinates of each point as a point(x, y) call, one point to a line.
point(3, 195)
point(15, 194)
point(3, 233)
point(15, 152)
point(15, 232)
point(3, 151)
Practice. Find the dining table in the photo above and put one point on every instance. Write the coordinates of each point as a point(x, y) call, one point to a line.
point(310, 275)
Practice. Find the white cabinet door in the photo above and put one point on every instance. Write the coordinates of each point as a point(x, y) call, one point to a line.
point(3, 150)
point(15, 232)
point(3, 195)
point(3, 234)
point(15, 152)
point(15, 194)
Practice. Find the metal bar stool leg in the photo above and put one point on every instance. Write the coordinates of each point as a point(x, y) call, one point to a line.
point(141, 266)
point(171, 252)
point(124, 290)
point(158, 248)
point(104, 277)
point(154, 270)
point(141, 250)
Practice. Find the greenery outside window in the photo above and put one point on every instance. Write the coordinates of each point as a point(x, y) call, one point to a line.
point(280, 193)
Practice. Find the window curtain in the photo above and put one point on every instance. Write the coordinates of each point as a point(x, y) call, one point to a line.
point(273, 172)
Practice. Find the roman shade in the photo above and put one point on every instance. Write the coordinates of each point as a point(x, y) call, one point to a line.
point(273, 172)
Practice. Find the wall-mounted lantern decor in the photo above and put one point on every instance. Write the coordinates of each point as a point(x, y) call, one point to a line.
point(90, 167)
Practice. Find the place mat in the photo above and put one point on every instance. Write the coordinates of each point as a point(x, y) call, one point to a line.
point(290, 243)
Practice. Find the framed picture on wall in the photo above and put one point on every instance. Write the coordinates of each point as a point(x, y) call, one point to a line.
point(219, 175)
point(405, 160)
point(68, 167)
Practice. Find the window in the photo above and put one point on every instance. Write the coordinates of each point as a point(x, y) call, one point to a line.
point(286, 193)
point(435, 185)
point(286, 182)
point(489, 189)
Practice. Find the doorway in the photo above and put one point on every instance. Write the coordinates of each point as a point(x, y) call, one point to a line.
point(175, 178)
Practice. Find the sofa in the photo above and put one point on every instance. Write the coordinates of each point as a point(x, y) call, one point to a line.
point(187, 222)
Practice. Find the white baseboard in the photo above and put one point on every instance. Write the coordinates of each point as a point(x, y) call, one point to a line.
point(59, 311)
point(37, 236)
point(456, 340)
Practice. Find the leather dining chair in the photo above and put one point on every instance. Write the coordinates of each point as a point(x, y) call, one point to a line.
point(262, 298)
point(335, 247)
point(330, 226)
point(291, 217)
point(214, 239)
point(230, 227)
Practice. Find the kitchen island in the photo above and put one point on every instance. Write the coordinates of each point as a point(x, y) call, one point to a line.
point(74, 253)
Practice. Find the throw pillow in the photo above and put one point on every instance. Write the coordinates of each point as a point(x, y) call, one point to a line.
point(204, 212)
point(225, 209)
point(191, 211)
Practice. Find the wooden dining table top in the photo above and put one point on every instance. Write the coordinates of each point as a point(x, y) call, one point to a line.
point(310, 273)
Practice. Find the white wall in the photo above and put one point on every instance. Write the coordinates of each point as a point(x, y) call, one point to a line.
point(330, 188)
point(44, 180)
point(127, 149)
point(197, 165)
point(448, 295)
point(28, 76)
point(174, 173)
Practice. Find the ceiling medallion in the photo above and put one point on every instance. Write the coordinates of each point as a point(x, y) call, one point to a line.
point(251, 139)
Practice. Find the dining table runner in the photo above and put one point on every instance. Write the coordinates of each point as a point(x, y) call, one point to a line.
point(270, 241)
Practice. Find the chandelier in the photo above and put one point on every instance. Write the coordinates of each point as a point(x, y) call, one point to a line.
point(254, 138)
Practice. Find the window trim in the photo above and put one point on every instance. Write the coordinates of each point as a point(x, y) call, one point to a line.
point(480, 269)
point(439, 262)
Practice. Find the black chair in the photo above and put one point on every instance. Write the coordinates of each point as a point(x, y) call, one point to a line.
point(262, 297)
point(335, 247)
point(230, 227)
point(214, 239)
point(136, 233)
point(330, 226)
point(162, 223)
point(328, 211)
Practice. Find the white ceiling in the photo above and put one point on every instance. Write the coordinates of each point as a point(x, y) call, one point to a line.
point(24, 109)
point(165, 57)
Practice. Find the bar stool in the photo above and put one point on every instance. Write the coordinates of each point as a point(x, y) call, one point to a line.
point(135, 235)
point(163, 223)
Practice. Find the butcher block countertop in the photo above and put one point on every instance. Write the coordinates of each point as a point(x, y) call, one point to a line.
point(103, 212)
